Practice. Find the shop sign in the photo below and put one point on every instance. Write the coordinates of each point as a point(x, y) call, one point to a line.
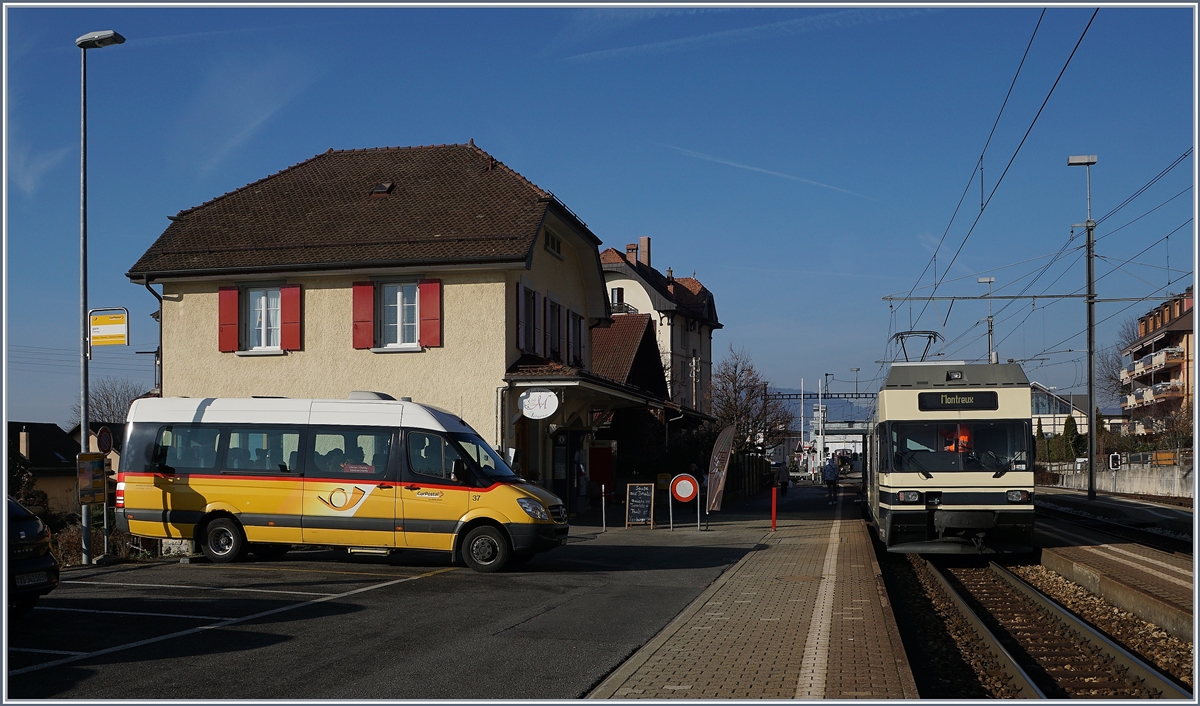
point(538, 403)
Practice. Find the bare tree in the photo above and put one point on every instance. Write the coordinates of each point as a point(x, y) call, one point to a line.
point(1110, 362)
point(109, 400)
point(739, 398)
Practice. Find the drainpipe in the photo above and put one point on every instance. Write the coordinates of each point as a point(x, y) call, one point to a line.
point(159, 351)
point(499, 411)
point(667, 430)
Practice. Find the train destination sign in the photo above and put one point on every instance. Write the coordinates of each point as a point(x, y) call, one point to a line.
point(956, 400)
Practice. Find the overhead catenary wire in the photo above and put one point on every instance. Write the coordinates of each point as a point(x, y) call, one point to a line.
point(1013, 157)
point(978, 165)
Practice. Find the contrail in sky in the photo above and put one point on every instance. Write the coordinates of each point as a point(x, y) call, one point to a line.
point(828, 20)
point(718, 160)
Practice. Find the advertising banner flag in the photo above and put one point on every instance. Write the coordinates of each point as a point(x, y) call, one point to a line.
point(717, 467)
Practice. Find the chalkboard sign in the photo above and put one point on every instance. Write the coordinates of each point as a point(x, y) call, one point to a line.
point(639, 504)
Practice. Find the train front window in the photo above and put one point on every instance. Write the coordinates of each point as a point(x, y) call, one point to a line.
point(959, 446)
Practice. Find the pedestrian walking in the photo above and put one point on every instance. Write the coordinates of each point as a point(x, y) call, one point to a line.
point(830, 474)
point(783, 477)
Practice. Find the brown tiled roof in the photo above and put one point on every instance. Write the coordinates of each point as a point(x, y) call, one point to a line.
point(530, 367)
point(611, 257)
point(614, 348)
point(449, 203)
point(692, 298)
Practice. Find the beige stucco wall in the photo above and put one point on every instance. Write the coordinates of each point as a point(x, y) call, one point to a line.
point(566, 279)
point(670, 343)
point(461, 376)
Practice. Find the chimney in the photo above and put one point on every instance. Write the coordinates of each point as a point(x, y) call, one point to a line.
point(644, 252)
point(631, 253)
point(24, 443)
point(670, 275)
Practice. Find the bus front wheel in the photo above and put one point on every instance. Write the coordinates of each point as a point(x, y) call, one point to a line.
point(224, 541)
point(485, 549)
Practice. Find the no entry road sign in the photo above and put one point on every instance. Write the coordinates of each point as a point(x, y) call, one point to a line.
point(684, 488)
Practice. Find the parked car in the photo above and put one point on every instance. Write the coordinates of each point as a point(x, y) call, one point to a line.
point(32, 569)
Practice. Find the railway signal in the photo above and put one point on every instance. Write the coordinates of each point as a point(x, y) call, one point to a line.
point(1114, 462)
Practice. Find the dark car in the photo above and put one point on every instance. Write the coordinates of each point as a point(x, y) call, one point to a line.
point(32, 569)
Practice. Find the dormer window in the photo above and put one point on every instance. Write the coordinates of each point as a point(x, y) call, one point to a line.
point(554, 243)
point(382, 189)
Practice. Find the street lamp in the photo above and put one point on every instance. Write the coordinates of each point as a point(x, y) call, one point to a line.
point(855, 371)
point(91, 40)
point(992, 357)
point(1086, 161)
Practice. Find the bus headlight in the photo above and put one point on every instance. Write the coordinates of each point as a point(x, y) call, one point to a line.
point(1017, 496)
point(533, 508)
point(909, 496)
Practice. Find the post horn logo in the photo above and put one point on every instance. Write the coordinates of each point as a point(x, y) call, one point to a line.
point(341, 501)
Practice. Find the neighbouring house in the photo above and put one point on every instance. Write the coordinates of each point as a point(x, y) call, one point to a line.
point(436, 273)
point(630, 441)
point(50, 454)
point(684, 311)
point(1160, 372)
point(1052, 410)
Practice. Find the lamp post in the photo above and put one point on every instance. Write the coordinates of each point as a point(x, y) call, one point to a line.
point(855, 371)
point(1086, 161)
point(91, 40)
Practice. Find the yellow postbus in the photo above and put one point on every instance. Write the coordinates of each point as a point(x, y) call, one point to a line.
point(369, 473)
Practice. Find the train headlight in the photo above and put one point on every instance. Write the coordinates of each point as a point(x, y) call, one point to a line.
point(909, 496)
point(1017, 496)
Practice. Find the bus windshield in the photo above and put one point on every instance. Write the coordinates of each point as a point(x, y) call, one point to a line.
point(998, 446)
point(486, 460)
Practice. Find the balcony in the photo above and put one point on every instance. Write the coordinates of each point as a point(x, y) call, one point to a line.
point(622, 308)
point(1161, 392)
point(1168, 390)
point(1152, 363)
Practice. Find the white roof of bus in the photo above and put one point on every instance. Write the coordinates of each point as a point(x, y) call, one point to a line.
point(283, 410)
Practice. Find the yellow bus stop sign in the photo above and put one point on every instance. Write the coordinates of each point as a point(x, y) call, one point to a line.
point(110, 329)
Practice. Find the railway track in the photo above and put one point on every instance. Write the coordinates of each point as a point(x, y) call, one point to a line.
point(1045, 651)
point(1156, 540)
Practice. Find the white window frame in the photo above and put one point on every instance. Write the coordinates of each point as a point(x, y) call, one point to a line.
point(387, 291)
point(260, 328)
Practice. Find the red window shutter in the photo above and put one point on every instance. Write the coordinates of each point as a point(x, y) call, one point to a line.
point(289, 317)
point(430, 304)
point(520, 317)
point(227, 319)
point(364, 314)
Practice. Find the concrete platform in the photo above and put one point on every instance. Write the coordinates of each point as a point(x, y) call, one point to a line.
point(804, 616)
point(1156, 586)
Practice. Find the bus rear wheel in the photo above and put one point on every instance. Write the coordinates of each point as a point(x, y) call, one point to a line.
point(224, 541)
point(485, 549)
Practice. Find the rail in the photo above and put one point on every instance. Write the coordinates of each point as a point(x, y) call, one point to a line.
point(1057, 655)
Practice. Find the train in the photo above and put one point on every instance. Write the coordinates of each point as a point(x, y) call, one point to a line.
point(949, 459)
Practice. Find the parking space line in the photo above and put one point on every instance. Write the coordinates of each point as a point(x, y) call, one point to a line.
point(131, 612)
point(199, 588)
point(43, 652)
point(221, 624)
point(298, 571)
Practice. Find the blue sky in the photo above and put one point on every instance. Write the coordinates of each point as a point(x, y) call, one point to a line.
point(803, 162)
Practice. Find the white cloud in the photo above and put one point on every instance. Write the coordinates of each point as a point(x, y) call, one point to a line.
point(814, 23)
point(239, 96)
point(718, 160)
point(27, 168)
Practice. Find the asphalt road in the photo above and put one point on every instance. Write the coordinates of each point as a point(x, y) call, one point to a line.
point(328, 625)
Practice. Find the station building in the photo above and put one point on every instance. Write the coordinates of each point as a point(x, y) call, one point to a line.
point(435, 273)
